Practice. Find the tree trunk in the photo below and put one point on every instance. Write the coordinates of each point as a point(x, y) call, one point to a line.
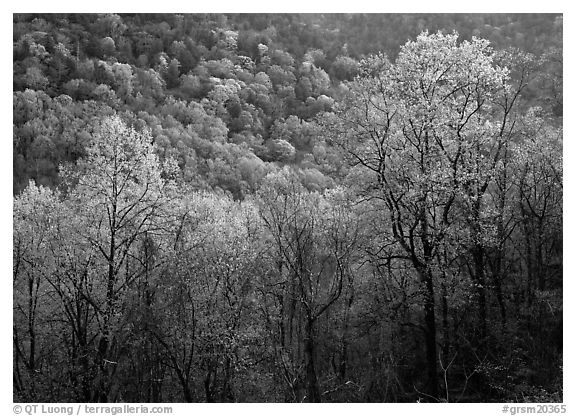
point(539, 255)
point(312, 388)
point(430, 321)
point(445, 325)
point(227, 393)
point(496, 279)
point(208, 386)
point(478, 255)
point(342, 365)
point(425, 271)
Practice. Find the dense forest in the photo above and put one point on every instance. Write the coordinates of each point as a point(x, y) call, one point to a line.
point(287, 208)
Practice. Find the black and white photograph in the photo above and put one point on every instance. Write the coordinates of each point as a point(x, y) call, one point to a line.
point(287, 208)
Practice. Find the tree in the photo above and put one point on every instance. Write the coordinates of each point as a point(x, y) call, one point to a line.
point(203, 314)
point(538, 178)
point(429, 131)
point(172, 76)
point(344, 68)
point(314, 240)
point(281, 150)
point(34, 230)
point(117, 190)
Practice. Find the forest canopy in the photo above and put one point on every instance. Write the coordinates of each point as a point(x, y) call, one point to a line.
point(287, 208)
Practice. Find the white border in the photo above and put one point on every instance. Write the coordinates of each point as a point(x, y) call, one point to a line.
point(295, 6)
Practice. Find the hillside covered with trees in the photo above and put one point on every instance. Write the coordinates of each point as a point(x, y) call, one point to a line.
point(287, 208)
